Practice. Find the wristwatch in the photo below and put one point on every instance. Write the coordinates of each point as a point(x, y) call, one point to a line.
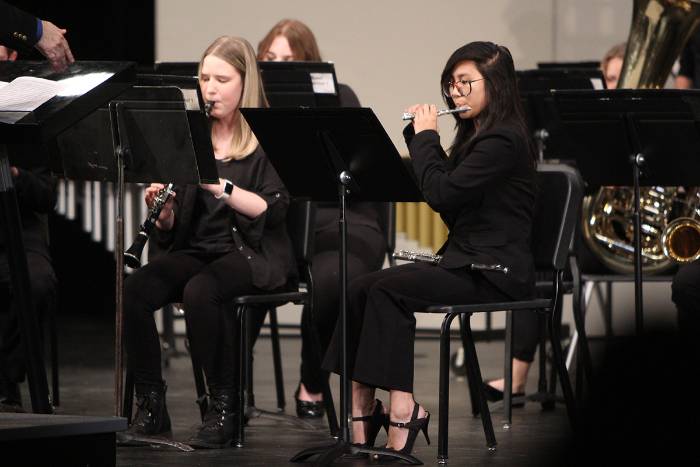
point(228, 189)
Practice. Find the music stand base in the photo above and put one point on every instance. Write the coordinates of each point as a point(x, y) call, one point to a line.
point(254, 412)
point(344, 449)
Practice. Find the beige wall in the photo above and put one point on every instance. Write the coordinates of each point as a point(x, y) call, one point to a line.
point(392, 52)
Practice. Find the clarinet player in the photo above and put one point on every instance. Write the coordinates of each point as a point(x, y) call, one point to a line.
point(485, 192)
point(215, 241)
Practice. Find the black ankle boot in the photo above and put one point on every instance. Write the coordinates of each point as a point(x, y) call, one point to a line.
point(151, 417)
point(219, 426)
point(10, 397)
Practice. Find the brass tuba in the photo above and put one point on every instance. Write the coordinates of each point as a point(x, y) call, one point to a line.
point(660, 29)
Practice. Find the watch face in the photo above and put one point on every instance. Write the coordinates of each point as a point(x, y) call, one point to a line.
point(228, 188)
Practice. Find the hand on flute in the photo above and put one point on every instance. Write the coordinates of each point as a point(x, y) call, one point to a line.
point(425, 117)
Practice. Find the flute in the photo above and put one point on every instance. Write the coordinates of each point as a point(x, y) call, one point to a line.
point(465, 108)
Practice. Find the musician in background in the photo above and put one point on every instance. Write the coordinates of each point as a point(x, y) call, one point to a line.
point(611, 65)
point(485, 192)
point(293, 40)
point(689, 72)
point(216, 241)
point(36, 198)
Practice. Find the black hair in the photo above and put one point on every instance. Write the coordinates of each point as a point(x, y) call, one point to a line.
point(495, 63)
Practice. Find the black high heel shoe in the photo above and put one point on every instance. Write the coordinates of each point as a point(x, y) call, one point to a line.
point(413, 426)
point(376, 421)
point(308, 409)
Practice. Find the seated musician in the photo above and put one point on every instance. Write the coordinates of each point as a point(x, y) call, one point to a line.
point(485, 193)
point(217, 241)
point(36, 198)
point(293, 40)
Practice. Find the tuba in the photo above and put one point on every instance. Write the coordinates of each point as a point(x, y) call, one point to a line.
point(660, 29)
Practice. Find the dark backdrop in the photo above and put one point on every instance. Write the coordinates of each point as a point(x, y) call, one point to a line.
point(119, 30)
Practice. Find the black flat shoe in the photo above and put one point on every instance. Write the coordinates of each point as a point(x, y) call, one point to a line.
point(494, 395)
point(414, 426)
point(308, 409)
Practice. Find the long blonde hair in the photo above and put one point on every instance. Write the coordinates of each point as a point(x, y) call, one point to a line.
point(238, 53)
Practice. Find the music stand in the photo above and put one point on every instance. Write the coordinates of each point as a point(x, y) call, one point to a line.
point(294, 84)
point(344, 152)
point(100, 81)
point(146, 134)
point(535, 87)
point(641, 137)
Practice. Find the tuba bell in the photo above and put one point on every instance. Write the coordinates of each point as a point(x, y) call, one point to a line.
point(659, 30)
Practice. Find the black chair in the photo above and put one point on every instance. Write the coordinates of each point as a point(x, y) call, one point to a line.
point(560, 191)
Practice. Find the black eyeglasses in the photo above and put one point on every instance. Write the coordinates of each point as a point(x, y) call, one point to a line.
point(464, 87)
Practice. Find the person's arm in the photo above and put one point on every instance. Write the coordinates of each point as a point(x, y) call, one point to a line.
point(684, 80)
point(246, 202)
point(19, 29)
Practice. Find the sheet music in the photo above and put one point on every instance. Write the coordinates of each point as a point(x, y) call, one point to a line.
point(26, 93)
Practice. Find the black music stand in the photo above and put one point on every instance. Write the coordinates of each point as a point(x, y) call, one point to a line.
point(634, 137)
point(100, 82)
point(146, 134)
point(540, 112)
point(344, 152)
point(293, 84)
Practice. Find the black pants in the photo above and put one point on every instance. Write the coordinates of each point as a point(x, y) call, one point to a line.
point(382, 324)
point(685, 293)
point(203, 284)
point(43, 288)
point(366, 250)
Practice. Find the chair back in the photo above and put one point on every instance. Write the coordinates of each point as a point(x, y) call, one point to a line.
point(560, 191)
point(301, 217)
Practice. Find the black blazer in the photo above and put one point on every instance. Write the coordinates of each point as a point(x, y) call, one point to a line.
point(486, 196)
point(17, 28)
point(262, 240)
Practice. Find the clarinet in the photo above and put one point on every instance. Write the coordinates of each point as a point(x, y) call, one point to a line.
point(132, 256)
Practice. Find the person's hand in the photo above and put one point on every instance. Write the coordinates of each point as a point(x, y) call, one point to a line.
point(54, 46)
point(150, 196)
point(215, 189)
point(14, 171)
point(425, 117)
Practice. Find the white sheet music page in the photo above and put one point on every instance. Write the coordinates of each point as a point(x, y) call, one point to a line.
point(26, 93)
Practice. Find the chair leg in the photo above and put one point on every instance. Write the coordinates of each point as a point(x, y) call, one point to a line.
point(582, 349)
point(475, 373)
point(199, 383)
point(558, 357)
point(240, 313)
point(508, 373)
point(444, 388)
point(474, 391)
point(53, 336)
point(277, 359)
point(128, 396)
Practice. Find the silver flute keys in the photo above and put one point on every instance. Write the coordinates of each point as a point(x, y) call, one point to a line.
point(418, 257)
point(464, 108)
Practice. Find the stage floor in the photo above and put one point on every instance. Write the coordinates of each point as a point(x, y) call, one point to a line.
point(86, 347)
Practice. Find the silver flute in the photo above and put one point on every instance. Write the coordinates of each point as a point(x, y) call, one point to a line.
point(456, 110)
point(207, 107)
point(418, 257)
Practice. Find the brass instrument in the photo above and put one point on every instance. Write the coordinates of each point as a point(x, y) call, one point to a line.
point(659, 30)
point(464, 108)
point(132, 256)
point(681, 238)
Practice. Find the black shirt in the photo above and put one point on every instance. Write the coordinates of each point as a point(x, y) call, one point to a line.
point(212, 223)
point(690, 60)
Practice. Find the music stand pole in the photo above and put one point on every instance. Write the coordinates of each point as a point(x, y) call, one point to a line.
point(637, 163)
